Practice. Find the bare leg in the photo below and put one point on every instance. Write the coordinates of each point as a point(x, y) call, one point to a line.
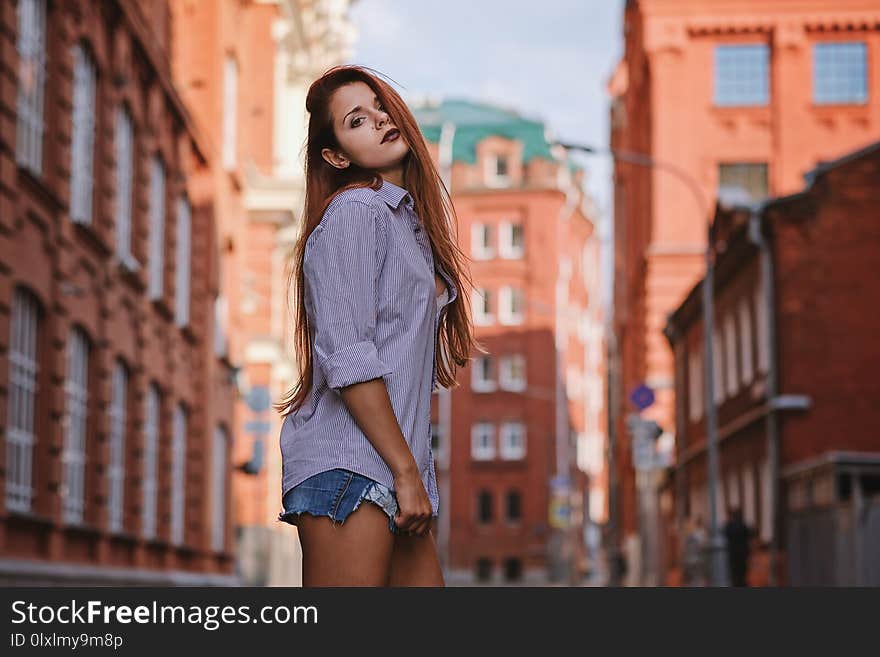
point(356, 552)
point(414, 562)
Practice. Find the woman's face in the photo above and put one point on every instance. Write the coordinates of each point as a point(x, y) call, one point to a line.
point(360, 123)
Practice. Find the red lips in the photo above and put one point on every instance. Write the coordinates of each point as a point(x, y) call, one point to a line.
point(393, 132)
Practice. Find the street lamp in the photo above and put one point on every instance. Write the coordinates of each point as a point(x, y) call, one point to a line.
point(717, 546)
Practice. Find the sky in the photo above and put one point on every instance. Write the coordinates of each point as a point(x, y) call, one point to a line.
point(547, 60)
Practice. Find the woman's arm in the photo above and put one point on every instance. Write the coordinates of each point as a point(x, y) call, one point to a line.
point(370, 405)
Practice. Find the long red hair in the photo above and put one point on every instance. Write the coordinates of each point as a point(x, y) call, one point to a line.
point(432, 204)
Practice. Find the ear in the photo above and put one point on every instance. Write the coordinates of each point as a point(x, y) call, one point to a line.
point(334, 158)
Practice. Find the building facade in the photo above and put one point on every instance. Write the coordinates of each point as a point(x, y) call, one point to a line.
point(794, 384)
point(114, 404)
point(519, 444)
point(245, 68)
point(724, 98)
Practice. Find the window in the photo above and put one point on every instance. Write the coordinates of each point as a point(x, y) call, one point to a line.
point(181, 314)
point(481, 242)
point(718, 366)
point(218, 527)
point(116, 467)
point(510, 243)
point(497, 174)
point(484, 569)
point(513, 372)
point(763, 329)
point(749, 508)
point(595, 392)
point(22, 399)
point(730, 349)
point(840, 73)
point(483, 441)
point(482, 307)
point(157, 227)
point(745, 335)
point(513, 440)
point(510, 306)
point(695, 382)
point(512, 569)
point(733, 489)
point(742, 75)
point(590, 451)
point(742, 183)
point(31, 83)
point(221, 314)
point(230, 111)
point(178, 474)
point(151, 452)
point(481, 375)
point(124, 159)
point(83, 136)
point(513, 506)
point(73, 459)
point(766, 478)
point(435, 437)
point(484, 507)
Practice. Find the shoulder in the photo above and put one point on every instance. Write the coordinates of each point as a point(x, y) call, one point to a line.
point(355, 200)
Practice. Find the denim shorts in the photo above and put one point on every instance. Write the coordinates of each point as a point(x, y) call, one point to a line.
point(337, 493)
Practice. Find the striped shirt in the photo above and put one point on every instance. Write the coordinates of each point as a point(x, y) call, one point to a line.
point(373, 307)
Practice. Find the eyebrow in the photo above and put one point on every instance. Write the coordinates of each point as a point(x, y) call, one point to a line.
point(357, 108)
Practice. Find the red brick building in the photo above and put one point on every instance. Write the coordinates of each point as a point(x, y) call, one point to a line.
point(795, 375)
point(519, 445)
point(114, 406)
point(740, 97)
point(244, 68)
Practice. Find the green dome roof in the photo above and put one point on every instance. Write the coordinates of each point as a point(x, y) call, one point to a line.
point(476, 121)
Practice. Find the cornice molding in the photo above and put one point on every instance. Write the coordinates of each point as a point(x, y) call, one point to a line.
point(758, 24)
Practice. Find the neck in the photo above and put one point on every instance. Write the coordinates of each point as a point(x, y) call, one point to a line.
point(394, 175)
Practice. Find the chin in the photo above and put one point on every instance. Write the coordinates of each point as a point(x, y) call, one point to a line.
point(388, 162)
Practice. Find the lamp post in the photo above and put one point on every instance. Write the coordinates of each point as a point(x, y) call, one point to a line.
point(717, 546)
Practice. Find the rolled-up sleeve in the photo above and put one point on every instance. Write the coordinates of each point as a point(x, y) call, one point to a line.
point(341, 273)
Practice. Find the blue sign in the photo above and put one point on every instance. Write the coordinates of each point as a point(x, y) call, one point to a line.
point(642, 397)
point(257, 427)
point(560, 482)
point(258, 398)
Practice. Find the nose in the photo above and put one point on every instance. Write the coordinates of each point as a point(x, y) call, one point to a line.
point(382, 120)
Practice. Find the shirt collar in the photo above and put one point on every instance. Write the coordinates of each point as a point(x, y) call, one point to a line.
point(393, 195)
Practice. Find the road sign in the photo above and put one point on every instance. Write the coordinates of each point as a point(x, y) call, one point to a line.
point(560, 513)
point(560, 482)
point(258, 398)
point(258, 427)
point(643, 437)
point(642, 397)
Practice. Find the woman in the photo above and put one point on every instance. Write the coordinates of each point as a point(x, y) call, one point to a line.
point(377, 276)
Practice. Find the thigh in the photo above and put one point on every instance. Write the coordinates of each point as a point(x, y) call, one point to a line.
point(356, 552)
point(414, 561)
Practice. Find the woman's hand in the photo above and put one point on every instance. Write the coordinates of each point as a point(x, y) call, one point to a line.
point(414, 506)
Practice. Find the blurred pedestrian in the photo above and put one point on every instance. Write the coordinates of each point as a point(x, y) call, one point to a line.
point(694, 553)
point(738, 536)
